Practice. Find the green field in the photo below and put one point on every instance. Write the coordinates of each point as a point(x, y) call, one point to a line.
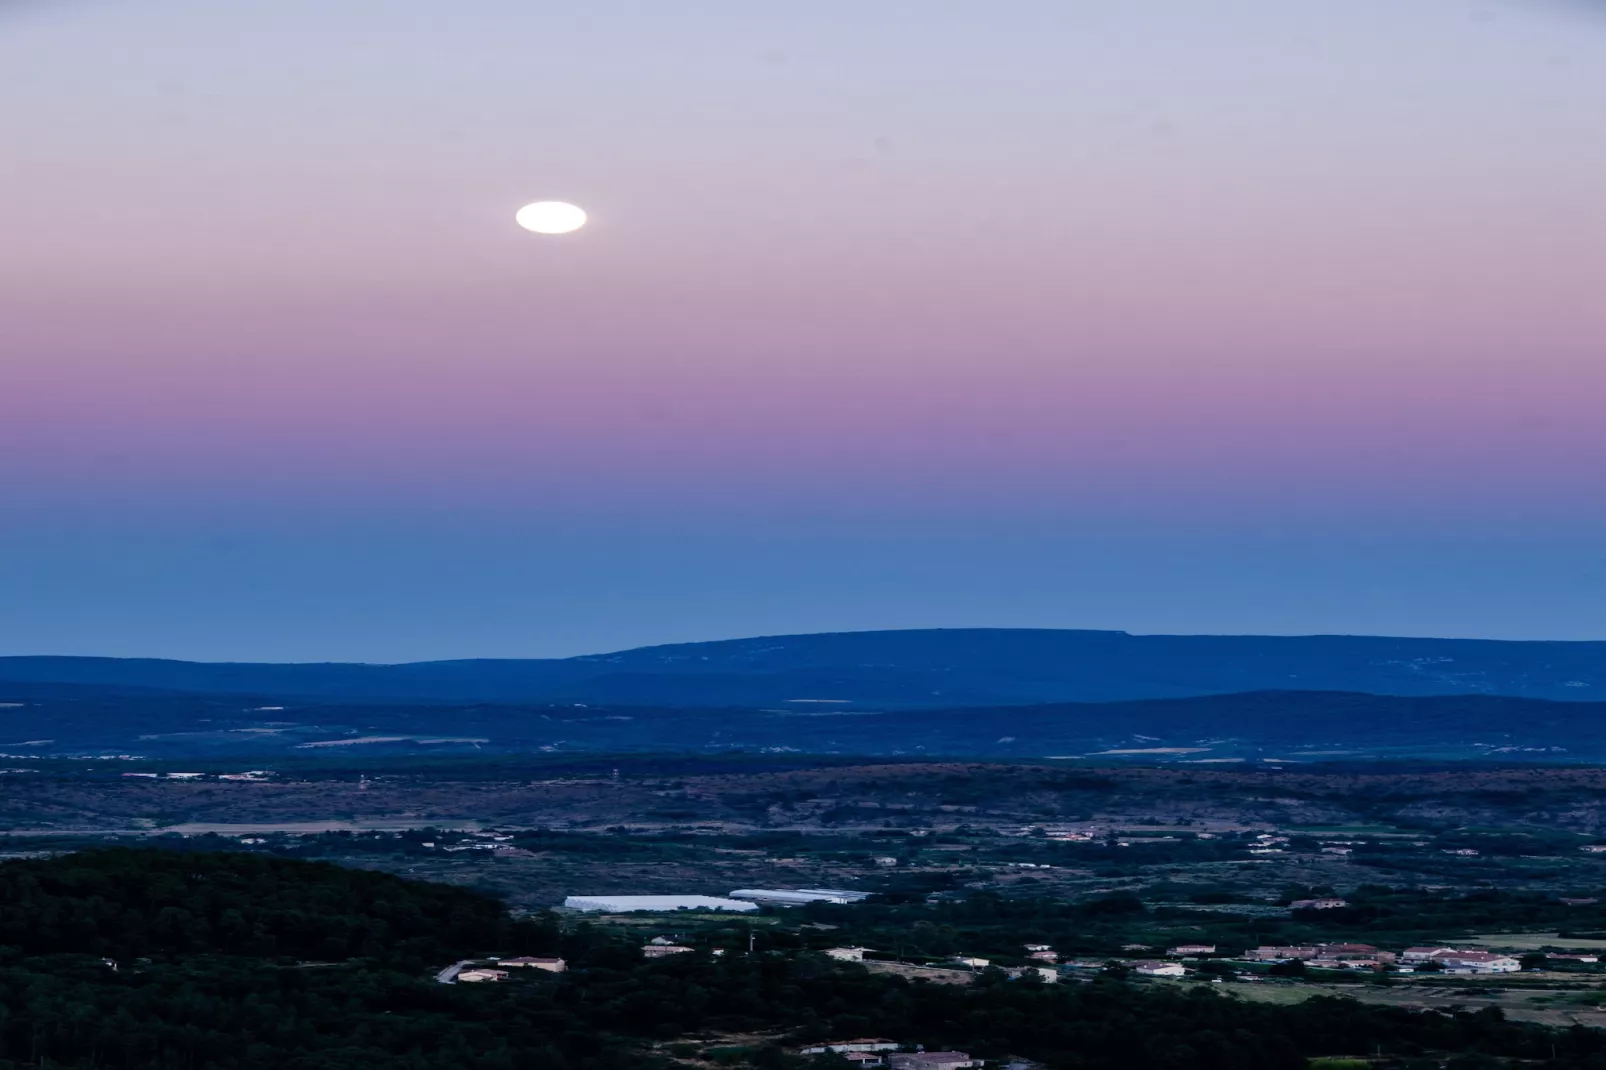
point(1534, 941)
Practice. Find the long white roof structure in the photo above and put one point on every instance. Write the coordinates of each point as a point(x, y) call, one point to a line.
point(623, 904)
point(798, 896)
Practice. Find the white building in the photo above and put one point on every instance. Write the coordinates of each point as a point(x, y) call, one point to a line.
point(1159, 969)
point(481, 976)
point(792, 897)
point(1270, 953)
point(1423, 954)
point(624, 904)
point(526, 961)
point(1476, 962)
point(846, 954)
point(656, 950)
point(973, 962)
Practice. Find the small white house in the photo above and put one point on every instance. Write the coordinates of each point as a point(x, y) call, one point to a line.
point(1159, 969)
point(528, 962)
point(1477, 962)
point(481, 976)
point(1424, 954)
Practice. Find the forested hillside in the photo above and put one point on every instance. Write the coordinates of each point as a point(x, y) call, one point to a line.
point(212, 977)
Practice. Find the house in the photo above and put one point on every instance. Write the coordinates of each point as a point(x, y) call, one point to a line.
point(1038, 947)
point(887, 861)
point(931, 1060)
point(1046, 974)
point(549, 965)
point(860, 1046)
point(1159, 969)
point(1358, 962)
point(845, 954)
point(1185, 950)
point(1423, 954)
point(657, 951)
point(1351, 952)
point(1476, 962)
point(973, 962)
point(1318, 904)
point(1045, 956)
point(1271, 953)
point(479, 976)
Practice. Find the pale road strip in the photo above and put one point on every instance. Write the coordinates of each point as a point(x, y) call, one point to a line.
point(448, 976)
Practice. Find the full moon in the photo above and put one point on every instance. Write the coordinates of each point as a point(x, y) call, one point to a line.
point(551, 217)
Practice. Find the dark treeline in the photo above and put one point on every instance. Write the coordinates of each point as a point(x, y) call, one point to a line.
point(124, 903)
point(211, 971)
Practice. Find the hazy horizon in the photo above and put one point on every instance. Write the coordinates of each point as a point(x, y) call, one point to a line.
point(790, 635)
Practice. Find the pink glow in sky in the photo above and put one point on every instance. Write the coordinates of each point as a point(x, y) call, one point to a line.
point(1148, 272)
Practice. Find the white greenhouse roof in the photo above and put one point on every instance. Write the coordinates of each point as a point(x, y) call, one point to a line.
point(793, 896)
point(621, 904)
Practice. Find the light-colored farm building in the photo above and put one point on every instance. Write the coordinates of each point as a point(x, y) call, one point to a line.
point(624, 904)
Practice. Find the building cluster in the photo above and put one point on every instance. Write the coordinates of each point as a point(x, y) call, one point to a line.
point(1367, 957)
point(1335, 956)
point(877, 1051)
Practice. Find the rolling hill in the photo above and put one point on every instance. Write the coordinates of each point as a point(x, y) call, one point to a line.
point(936, 668)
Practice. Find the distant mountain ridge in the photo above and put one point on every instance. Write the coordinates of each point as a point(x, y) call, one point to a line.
point(914, 669)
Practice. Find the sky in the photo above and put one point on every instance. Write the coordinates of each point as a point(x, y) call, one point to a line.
point(1256, 316)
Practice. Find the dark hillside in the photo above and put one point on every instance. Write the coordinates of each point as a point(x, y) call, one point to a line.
point(209, 1008)
point(124, 904)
